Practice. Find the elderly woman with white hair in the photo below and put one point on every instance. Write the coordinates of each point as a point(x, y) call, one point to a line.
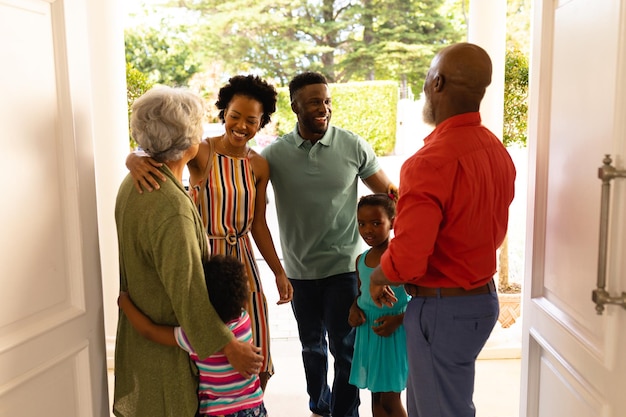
point(162, 244)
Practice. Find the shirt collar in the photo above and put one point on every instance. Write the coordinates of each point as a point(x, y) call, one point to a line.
point(459, 120)
point(324, 140)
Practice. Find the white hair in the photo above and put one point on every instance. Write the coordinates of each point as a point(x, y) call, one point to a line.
point(166, 121)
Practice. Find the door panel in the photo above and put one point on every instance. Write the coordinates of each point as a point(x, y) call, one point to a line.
point(575, 397)
point(571, 362)
point(51, 320)
point(58, 384)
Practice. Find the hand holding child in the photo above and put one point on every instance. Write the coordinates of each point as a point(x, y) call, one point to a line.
point(386, 325)
point(356, 316)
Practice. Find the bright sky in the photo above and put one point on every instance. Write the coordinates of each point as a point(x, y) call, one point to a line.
point(143, 12)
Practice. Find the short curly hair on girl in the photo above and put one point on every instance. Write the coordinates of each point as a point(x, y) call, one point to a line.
point(250, 86)
point(227, 284)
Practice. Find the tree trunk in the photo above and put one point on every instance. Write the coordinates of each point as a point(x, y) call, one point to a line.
point(503, 260)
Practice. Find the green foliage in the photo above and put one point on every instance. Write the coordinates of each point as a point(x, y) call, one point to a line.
point(284, 119)
point(164, 55)
point(261, 36)
point(515, 126)
point(367, 108)
point(397, 39)
point(137, 83)
point(457, 14)
point(344, 40)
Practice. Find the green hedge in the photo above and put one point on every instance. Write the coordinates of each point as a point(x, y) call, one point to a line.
point(368, 108)
point(137, 83)
point(515, 129)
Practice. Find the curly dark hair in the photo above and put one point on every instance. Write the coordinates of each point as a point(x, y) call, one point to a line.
point(227, 284)
point(249, 86)
point(304, 79)
point(380, 200)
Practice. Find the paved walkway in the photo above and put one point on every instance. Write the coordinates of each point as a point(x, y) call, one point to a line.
point(496, 395)
point(497, 380)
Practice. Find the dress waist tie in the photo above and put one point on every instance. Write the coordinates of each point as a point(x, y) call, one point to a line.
point(231, 238)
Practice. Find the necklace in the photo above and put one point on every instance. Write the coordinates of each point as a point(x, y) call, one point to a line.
point(230, 150)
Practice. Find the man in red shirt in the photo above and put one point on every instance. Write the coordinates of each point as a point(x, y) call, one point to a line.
point(452, 216)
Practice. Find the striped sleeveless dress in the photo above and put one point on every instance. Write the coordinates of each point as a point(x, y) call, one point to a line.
point(225, 201)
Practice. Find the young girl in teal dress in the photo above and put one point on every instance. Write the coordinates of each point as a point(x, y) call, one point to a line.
point(379, 363)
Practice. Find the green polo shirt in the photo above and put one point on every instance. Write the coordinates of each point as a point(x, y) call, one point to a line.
point(315, 187)
point(161, 246)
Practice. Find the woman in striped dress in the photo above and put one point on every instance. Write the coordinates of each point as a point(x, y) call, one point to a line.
point(228, 182)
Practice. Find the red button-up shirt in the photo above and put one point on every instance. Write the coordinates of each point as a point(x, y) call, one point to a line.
point(453, 210)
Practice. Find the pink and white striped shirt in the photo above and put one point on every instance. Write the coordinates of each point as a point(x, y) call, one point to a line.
point(222, 390)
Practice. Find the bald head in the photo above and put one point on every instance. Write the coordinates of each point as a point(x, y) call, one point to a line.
point(465, 65)
point(456, 81)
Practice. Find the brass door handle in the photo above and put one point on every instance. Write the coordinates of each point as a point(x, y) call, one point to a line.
point(600, 296)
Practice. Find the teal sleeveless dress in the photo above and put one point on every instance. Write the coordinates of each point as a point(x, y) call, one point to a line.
point(379, 363)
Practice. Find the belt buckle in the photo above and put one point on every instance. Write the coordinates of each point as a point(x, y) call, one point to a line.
point(231, 239)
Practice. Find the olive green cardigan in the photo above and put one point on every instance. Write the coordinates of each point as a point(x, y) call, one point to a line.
point(161, 246)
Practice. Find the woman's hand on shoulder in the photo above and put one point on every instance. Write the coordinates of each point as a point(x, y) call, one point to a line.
point(145, 172)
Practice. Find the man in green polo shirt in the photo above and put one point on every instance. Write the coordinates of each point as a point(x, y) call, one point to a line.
point(314, 171)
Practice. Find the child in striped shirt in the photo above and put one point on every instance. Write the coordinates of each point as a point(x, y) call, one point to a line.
point(222, 390)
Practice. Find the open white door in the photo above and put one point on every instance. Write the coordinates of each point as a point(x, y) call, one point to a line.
point(52, 356)
point(573, 359)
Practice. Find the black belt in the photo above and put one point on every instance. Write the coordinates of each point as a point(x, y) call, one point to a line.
point(419, 291)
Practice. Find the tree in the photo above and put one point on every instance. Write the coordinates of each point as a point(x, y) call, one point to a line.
point(164, 55)
point(515, 98)
point(398, 40)
point(343, 39)
point(274, 38)
point(516, 73)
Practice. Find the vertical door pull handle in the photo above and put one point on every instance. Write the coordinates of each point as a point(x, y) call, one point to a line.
point(600, 295)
